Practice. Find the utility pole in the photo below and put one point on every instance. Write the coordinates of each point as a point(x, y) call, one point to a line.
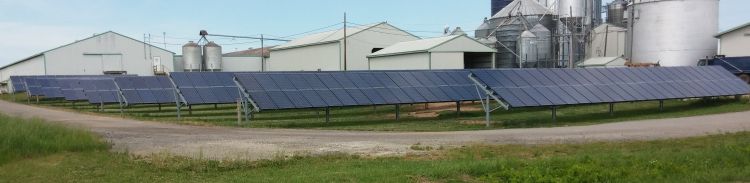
point(345, 41)
point(262, 54)
point(165, 39)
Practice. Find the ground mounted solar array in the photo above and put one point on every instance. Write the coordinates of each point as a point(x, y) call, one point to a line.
point(294, 90)
point(146, 90)
point(558, 87)
point(101, 90)
point(206, 87)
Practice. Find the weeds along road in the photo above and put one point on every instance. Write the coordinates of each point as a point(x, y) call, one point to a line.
point(145, 138)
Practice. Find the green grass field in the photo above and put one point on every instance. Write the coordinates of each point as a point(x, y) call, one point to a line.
point(68, 155)
point(382, 118)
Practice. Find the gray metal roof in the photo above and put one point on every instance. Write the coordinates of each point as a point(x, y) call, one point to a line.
point(523, 7)
point(65, 45)
point(732, 30)
point(422, 45)
point(328, 37)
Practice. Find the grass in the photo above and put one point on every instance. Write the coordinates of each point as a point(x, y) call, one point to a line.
point(22, 139)
point(719, 158)
point(381, 118)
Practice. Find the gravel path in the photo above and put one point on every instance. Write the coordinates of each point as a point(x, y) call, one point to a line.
point(145, 138)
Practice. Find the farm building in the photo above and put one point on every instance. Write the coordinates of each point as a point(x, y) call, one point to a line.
point(239, 61)
point(105, 53)
point(735, 42)
point(326, 51)
point(606, 41)
point(448, 52)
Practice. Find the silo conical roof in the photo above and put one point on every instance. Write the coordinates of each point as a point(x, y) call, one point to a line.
point(523, 7)
point(539, 28)
point(527, 34)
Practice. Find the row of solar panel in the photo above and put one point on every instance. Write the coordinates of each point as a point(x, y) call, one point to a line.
point(19, 82)
point(146, 90)
point(206, 87)
point(323, 89)
point(555, 87)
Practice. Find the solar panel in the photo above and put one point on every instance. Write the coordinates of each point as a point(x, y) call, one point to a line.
point(146, 90)
point(100, 90)
point(288, 90)
point(206, 87)
point(555, 87)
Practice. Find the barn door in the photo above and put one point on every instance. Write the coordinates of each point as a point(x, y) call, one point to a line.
point(112, 63)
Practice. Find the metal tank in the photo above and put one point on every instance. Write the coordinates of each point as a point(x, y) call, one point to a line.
point(510, 26)
point(527, 50)
point(191, 57)
point(483, 30)
point(545, 54)
point(673, 33)
point(212, 56)
point(497, 5)
point(616, 13)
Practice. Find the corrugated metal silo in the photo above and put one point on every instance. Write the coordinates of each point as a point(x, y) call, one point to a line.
point(673, 33)
point(616, 13)
point(545, 53)
point(212, 55)
point(511, 25)
point(527, 49)
point(191, 57)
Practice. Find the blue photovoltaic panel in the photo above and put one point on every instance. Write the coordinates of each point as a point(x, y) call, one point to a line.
point(556, 87)
point(288, 90)
point(146, 90)
point(206, 87)
point(100, 90)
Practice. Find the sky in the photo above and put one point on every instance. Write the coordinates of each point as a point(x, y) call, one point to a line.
point(33, 26)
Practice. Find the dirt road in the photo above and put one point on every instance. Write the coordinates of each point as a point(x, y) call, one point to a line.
point(145, 138)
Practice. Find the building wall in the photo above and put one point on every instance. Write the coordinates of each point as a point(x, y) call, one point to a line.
point(614, 40)
point(241, 64)
point(31, 67)
point(107, 52)
point(735, 44)
point(329, 57)
point(361, 44)
point(447, 60)
point(324, 57)
point(415, 61)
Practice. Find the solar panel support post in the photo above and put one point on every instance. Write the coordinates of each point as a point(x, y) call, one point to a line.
point(190, 109)
point(482, 88)
point(159, 107)
point(458, 109)
point(554, 114)
point(328, 114)
point(398, 112)
point(661, 105)
point(611, 109)
point(178, 105)
point(239, 112)
point(119, 103)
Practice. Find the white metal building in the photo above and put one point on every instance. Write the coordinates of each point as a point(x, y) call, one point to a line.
point(735, 42)
point(603, 62)
point(606, 41)
point(108, 52)
point(326, 52)
point(449, 52)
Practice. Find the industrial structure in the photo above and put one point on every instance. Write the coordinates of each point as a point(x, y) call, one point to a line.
point(250, 60)
point(735, 42)
point(448, 52)
point(105, 53)
point(338, 50)
point(662, 31)
point(656, 32)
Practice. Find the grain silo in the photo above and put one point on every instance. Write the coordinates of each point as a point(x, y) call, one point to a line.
point(497, 5)
point(616, 13)
point(192, 57)
point(510, 22)
point(672, 33)
point(212, 56)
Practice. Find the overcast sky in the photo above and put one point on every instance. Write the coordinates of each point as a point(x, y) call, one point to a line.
point(32, 26)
